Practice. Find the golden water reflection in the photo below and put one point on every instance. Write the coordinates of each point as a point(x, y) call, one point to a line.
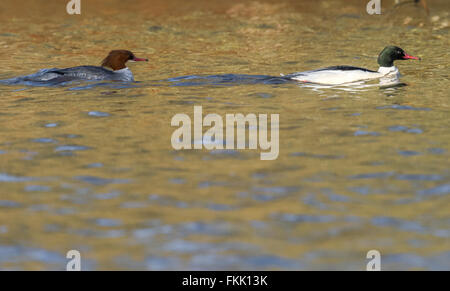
point(357, 170)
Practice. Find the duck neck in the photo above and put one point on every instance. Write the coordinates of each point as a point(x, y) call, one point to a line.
point(384, 60)
point(387, 70)
point(125, 74)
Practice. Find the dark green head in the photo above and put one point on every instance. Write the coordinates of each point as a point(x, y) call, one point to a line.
point(391, 53)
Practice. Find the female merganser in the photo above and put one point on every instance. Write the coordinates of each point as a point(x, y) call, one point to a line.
point(338, 75)
point(115, 60)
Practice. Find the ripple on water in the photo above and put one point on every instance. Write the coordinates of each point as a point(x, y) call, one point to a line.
point(3, 229)
point(65, 211)
point(181, 230)
point(407, 153)
point(107, 222)
point(220, 207)
point(259, 175)
point(133, 204)
point(405, 261)
point(10, 178)
point(69, 135)
point(333, 196)
point(106, 196)
point(98, 114)
point(74, 199)
point(167, 201)
point(438, 190)
point(270, 261)
point(403, 107)
point(101, 181)
point(436, 151)
point(50, 125)
point(188, 247)
point(419, 177)
point(24, 254)
point(412, 177)
point(214, 261)
point(44, 140)
point(71, 148)
point(401, 224)
point(210, 228)
point(365, 190)
point(363, 132)
point(269, 193)
point(224, 153)
point(37, 188)
point(154, 263)
point(380, 175)
point(262, 95)
point(208, 184)
point(177, 181)
point(95, 165)
point(9, 204)
point(110, 233)
point(400, 128)
point(155, 28)
point(317, 156)
point(146, 233)
point(303, 218)
point(226, 80)
point(312, 200)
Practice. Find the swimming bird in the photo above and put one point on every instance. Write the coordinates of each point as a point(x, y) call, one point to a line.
point(112, 68)
point(337, 75)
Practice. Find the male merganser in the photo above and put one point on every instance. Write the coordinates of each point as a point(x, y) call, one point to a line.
point(115, 60)
point(338, 75)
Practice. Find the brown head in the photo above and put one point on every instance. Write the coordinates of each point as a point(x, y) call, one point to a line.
point(116, 59)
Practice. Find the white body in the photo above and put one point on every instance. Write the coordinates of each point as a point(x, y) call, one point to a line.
point(124, 75)
point(338, 77)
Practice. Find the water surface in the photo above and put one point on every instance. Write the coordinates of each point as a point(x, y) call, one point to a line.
point(90, 166)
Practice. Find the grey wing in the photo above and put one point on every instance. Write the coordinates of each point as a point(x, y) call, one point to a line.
point(85, 72)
